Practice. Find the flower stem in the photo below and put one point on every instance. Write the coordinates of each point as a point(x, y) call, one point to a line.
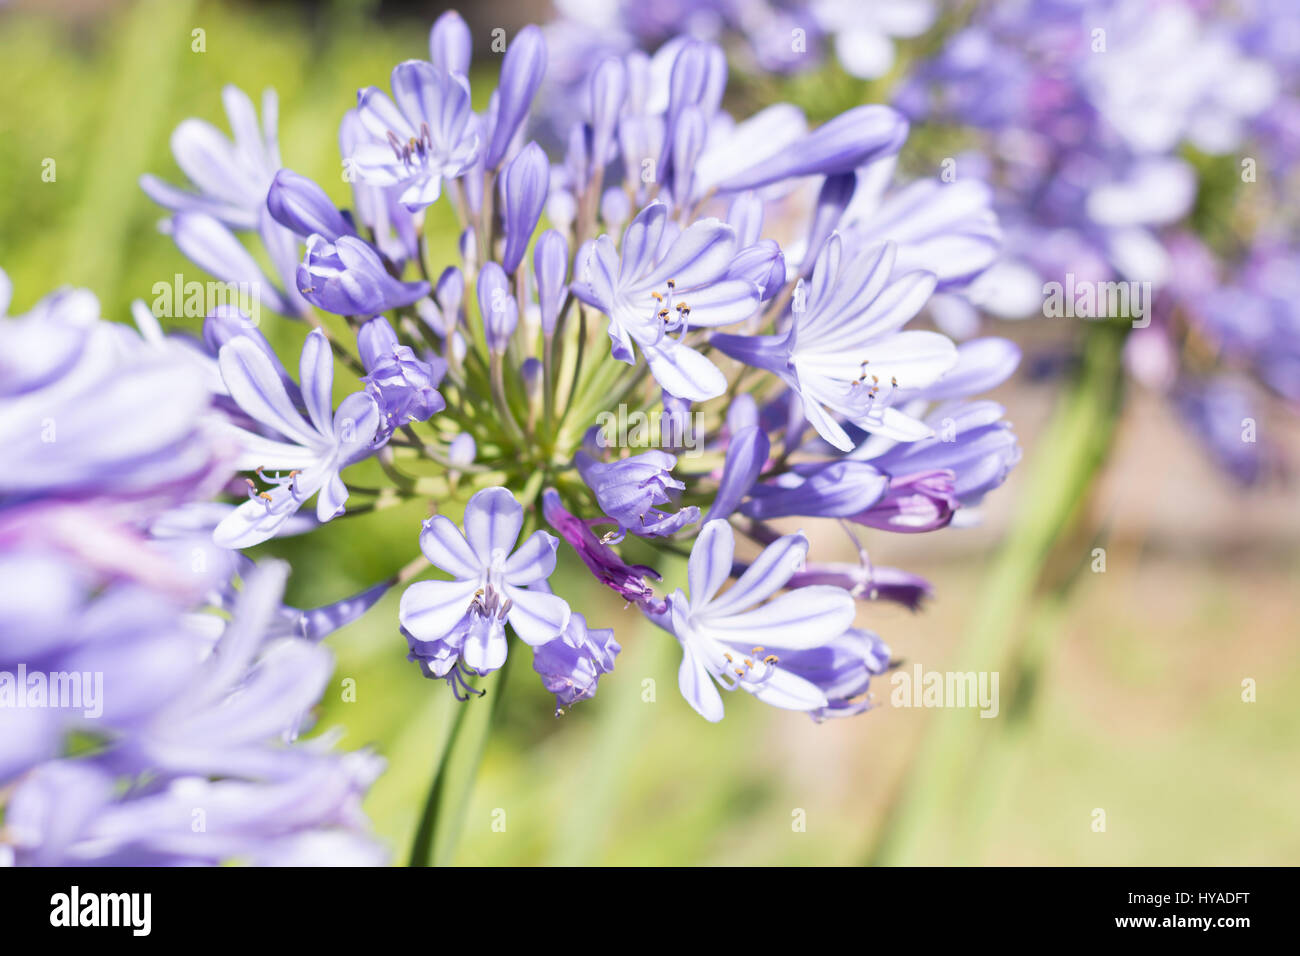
point(1065, 464)
point(453, 778)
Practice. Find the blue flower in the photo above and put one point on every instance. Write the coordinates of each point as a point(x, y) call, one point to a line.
point(737, 640)
point(464, 619)
point(424, 134)
point(628, 489)
point(347, 277)
point(843, 353)
point(667, 282)
point(571, 664)
point(311, 450)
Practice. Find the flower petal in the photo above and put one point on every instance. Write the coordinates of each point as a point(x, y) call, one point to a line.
point(430, 609)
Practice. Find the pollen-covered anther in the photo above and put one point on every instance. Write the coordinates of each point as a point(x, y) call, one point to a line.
point(771, 659)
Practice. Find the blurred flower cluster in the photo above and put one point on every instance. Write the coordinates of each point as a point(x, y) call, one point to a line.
point(152, 683)
point(1148, 142)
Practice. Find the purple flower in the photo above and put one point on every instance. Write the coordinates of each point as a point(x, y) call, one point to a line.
point(426, 133)
point(627, 580)
point(667, 282)
point(497, 306)
point(522, 69)
point(402, 385)
point(89, 409)
point(347, 277)
point(924, 501)
point(628, 489)
point(736, 639)
point(465, 618)
point(301, 206)
point(842, 668)
point(843, 353)
point(231, 177)
point(523, 186)
point(450, 43)
point(379, 208)
point(571, 664)
point(847, 142)
point(551, 268)
point(311, 451)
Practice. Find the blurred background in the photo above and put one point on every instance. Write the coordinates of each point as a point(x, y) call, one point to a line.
point(1130, 695)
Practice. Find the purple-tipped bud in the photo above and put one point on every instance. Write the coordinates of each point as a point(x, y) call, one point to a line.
point(450, 43)
point(850, 140)
point(402, 385)
point(762, 264)
point(522, 69)
point(450, 293)
point(608, 90)
point(497, 306)
point(523, 188)
point(836, 192)
point(301, 206)
point(629, 580)
point(530, 373)
point(462, 451)
point(841, 489)
point(551, 269)
point(925, 501)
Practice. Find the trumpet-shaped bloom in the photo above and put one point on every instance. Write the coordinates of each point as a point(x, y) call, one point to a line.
point(738, 638)
point(347, 277)
point(844, 354)
point(311, 450)
point(425, 133)
point(571, 664)
point(230, 177)
point(667, 282)
point(465, 618)
point(628, 489)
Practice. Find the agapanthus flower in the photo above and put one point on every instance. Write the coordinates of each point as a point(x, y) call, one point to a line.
point(424, 134)
point(464, 619)
point(628, 489)
point(572, 664)
point(308, 452)
point(844, 354)
point(737, 638)
point(664, 285)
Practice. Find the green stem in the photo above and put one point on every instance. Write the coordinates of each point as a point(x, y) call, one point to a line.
point(453, 778)
point(1067, 460)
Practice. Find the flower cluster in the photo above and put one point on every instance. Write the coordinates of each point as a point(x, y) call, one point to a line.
point(656, 227)
point(1150, 143)
point(152, 684)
